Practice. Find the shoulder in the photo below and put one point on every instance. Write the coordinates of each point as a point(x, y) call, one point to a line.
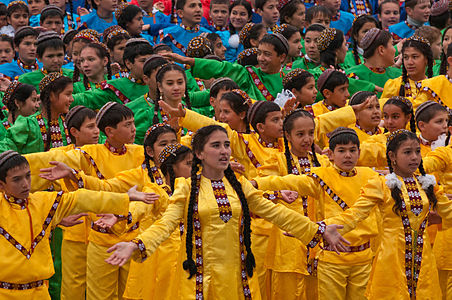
point(346, 16)
point(92, 15)
point(398, 26)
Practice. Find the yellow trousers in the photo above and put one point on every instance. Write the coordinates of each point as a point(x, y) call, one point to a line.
point(73, 260)
point(259, 247)
point(286, 285)
point(104, 281)
point(445, 281)
point(340, 282)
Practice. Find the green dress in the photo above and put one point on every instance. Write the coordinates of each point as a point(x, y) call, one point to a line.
point(350, 60)
point(35, 77)
point(263, 87)
point(192, 84)
point(79, 87)
point(304, 63)
point(362, 72)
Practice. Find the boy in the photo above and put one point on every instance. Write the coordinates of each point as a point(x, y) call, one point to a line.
point(418, 13)
point(268, 9)
point(50, 53)
point(52, 18)
point(6, 49)
point(25, 45)
point(340, 19)
point(336, 189)
point(102, 15)
point(318, 15)
point(219, 87)
point(312, 57)
point(217, 45)
point(218, 15)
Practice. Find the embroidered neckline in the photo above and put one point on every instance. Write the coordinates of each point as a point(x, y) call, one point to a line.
point(21, 202)
point(413, 195)
point(330, 107)
point(6, 124)
point(148, 99)
point(305, 165)
point(219, 190)
point(56, 137)
point(157, 176)
point(345, 173)
point(414, 27)
point(337, 16)
point(377, 70)
point(359, 8)
point(424, 141)
point(96, 85)
point(268, 145)
point(27, 67)
point(190, 28)
point(45, 72)
point(117, 151)
point(135, 80)
point(377, 130)
point(408, 92)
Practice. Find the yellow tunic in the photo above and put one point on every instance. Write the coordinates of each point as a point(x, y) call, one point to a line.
point(388, 280)
point(392, 88)
point(221, 246)
point(362, 135)
point(16, 267)
point(441, 86)
point(373, 152)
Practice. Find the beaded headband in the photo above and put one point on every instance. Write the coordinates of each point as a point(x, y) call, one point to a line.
point(293, 75)
point(439, 7)
point(110, 30)
point(47, 35)
point(246, 98)
point(342, 130)
point(396, 133)
point(102, 45)
point(403, 100)
point(323, 79)
point(325, 38)
point(137, 41)
point(16, 2)
point(48, 79)
point(369, 38)
point(23, 29)
point(86, 35)
point(246, 53)
point(219, 80)
point(7, 155)
point(283, 3)
point(281, 28)
point(10, 91)
point(168, 151)
point(152, 58)
point(119, 9)
point(283, 40)
point(354, 96)
point(199, 46)
point(423, 106)
point(52, 7)
point(419, 38)
point(103, 110)
point(154, 127)
point(73, 111)
point(243, 35)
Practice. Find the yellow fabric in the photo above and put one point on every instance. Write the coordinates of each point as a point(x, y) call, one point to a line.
point(392, 88)
point(362, 135)
point(445, 281)
point(277, 164)
point(388, 279)
point(16, 268)
point(287, 286)
point(221, 246)
point(73, 261)
point(441, 86)
point(319, 108)
point(312, 287)
point(373, 152)
point(343, 282)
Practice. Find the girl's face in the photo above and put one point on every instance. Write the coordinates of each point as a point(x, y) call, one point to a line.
point(219, 49)
point(216, 152)
point(18, 19)
point(301, 137)
point(35, 6)
point(88, 133)
point(436, 49)
point(77, 47)
point(389, 53)
point(6, 52)
point(91, 64)
point(30, 106)
point(229, 116)
point(390, 15)
point(239, 17)
point(310, 44)
point(447, 40)
point(118, 52)
point(341, 52)
point(135, 27)
point(364, 29)
point(182, 168)
point(415, 62)
point(298, 18)
point(162, 141)
point(370, 117)
point(60, 102)
point(307, 94)
point(295, 45)
point(394, 118)
point(407, 158)
point(172, 87)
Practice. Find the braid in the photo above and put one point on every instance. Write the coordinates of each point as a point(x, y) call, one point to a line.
point(288, 155)
point(444, 64)
point(187, 97)
point(247, 128)
point(155, 120)
point(109, 73)
point(395, 191)
point(49, 119)
point(250, 262)
point(447, 139)
point(355, 54)
point(172, 176)
point(189, 264)
point(315, 161)
point(412, 122)
point(13, 116)
point(429, 191)
point(76, 74)
point(86, 83)
point(430, 64)
point(404, 80)
point(71, 9)
point(147, 160)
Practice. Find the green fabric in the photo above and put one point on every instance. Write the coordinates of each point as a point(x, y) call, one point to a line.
point(35, 77)
point(25, 135)
point(3, 129)
point(364, 73)
point(304, 64)
point(55, 280)
point(79, 87)
point(436, 67)
point(192, 85)
point(350, 60)
point(209, 68)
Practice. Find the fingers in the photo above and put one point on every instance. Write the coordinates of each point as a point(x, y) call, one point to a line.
point(111, 249)
point(343, 240)
point(46, 170)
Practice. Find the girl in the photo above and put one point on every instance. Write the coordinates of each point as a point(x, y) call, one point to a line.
point(360, 27)
point(312, 57)
point(94, 59)
point(240, 13)
point(6, 49)
point(234, 107)
point(226, 230)
point(367, 120)
point(293, 37)
point(115, 38)
point(251, 34)
point(21, 100)
point(17, 17)
point(130, 18)
point(388, 13)
point(79, 42)
point(293, 13)
point(47, 129)
point(417, 58)
point(446, 40)
point(248, 57)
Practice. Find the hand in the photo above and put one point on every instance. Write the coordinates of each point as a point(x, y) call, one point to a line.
point(449, 196)
point(121, 253)
point(237, 167)
point(146, 27)
point(434, 218)
point(159, 5)
point(81, 11)
point(179, 58)
point(148, 198)
point(4, 83)
point(378, 89)
point(399, 45)
point(115, 68)
point(72, 220)
point(360, 107)
point(254, 183)
point(178, 112)
point(334, 238)
point(106, 220)
point(61, 170)
point(289, 196)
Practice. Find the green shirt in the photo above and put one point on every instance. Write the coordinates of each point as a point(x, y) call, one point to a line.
point(304, 63)
point(350, 60)
point(35, 77)
point(362, 72)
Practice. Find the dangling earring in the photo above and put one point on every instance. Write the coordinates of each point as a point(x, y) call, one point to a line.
point(394, 163)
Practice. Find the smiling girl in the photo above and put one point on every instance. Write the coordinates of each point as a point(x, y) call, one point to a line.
point(21, 100)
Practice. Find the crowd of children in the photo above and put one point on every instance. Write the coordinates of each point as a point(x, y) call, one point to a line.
point(188, 149)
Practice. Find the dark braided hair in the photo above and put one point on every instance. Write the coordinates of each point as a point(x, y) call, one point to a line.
point(149, 141)
point(76, 74)
point(444, 64)
point(426, 51)
point(167, 166)
point(159, 79)
point(71, 11)
point(396, 193)
point(198, 143)
point(356, 27)
point(405, 107)
point(238, 105)
point(328, 56)
point(288, 125)
point(21, 94)
point(101, 52)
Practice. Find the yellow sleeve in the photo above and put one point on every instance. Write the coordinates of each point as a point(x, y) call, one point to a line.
point(121, 183)
point(438, 160)
point(372, 154)
point(325, 123)
point(303, 184)
point(193, 121)
point(391, 88)
point(443, 207)
point(272, 166)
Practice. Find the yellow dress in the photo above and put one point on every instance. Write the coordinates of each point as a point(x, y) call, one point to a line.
point(363, 135)
point(388, 279)
point(392, 88)
point(42, 213)
point(373, 152)
point(221, 246)
point(437, 89)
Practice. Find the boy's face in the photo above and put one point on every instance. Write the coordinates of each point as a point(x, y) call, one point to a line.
point(268, 59)
point(192, 12)
point(17, 182)
point(18, 19)
point(88, 133)
point(310, 45)
point(370, 117)
point(269, 13)
point(52, 59)
point(35, 6)
point(124, 133)
point(421, 11)
point(436, 49)
point(27, 49)
point(118, 52)
point(54, 23)
point(215, 102)
point(3, 21)
point(333, 5)
point(272, 128)
point(219, 14)
point(322, 20)
point(136, 68)
point(339, 96)
point(437, 126)
point(344, 157)
point(6, 52)
point(307, 94)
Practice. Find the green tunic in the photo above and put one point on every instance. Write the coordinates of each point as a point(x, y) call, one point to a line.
point(209, 68)
point(35, 77)
point(79, 87)
point(192, 84)
point(304, 63)
point(350, 60)
point(362, 72)
point(436, 67)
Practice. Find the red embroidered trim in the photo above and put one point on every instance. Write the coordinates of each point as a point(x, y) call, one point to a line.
point(224, 206)
point(250, 153)
point(359, 7)
point(114, 150)
point(157, 177)
point(106, 86)
point(200, 84)
point(21, 286)
point(21, 202)
point(350, 249)
point(93, 163)
point(413, 195)
point(56, 137)
point(6, 124)
point(141, 248)
point(376, 131)
point(173, 40)
point(417, 84)
point(318, 235)
point(260, 85)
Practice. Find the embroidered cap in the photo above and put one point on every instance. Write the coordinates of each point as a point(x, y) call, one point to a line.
point(292, 75)
point(323, 79)
point(403, 100)
point(137, 41)
point(87, 34)
point(423, 107)
point(52, 7)
point(111, 32)
point(152, 58)
point(325, 38)
point(10, 91)
point(103, 110)
point(24, 29)
point(103, 46)
point(283, 40)
point(245, 32)
point(219, 80)
point(369, 38)
point(73, 111)
point(199, 46)
point(396, 133)
point(69, 35)
point(5, 156)
point(283, 3)
point(246, 98)
point(247, 53)
point(119, 9)
point(48, 79)
point(47, 35)
point(355, 96)
point(342, 130)
point(439, 7)
point(253, 110)
point(168, 151)
point(419, 38)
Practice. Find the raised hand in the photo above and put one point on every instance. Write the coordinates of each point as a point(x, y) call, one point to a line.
point(106, 220)
point(335, 239)
point(289, 196)
point(179, 58)
point(360, 107)
point(121, 253)
point(81, 11)
point(60, 170)
point(115, 68)
point(178, 112)
point(148, 198)
point(4, 83)
point(237, 167)
point(72, 220)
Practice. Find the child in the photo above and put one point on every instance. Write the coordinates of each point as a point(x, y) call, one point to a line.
point(334, 87)
point(80, 40)
point(17, 17)
point(6, 49)
point(50, 52)
point(341, 20)
point(3, 15)
point(251, 34)
point(35, 7)
point(240, 12)
point(21, 100)
point(82, 128)
point(115, 38)
point(218, 16)
point(418, 13)
point(293, 13)
point(130, 18)
point(102, 15)
point(433, 36)
point(217, 45)
point(268, 9)
point(445, 40)
point(388, 13)
point(293, 37)
point(70, 19)
point(52, 19)
point(318, 15)
point(367, 120)
point(248, 57)
point(25, 45)
point(219, 87)
point(234, 107)
point(311, 59)
point(440, 14)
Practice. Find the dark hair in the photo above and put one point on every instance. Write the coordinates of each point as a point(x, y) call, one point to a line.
point(316, 10)
point(289, 30)
point(248, 59)
point(288, 125)
point(7, 38)
point(387, 1)
point(298, 82)
point(127, 15)
point(444, 56)
point(259, 115)
point(382, 39)
point(336, 79)
point(115, 115)
point(228, 85)
point(154, 64)
point(328, 56)
point(199, 140)
point(19, 37)
point(343, 139)
point(114, 40)
point(396, 193)
point(21, 94)
point(136, 49)
point(18, 6)
point(78, 119)
point(441, 20)
point(159, 78)
point(56, 44)
point(449, 123)
point(3, 10)
point(431, 34)
point(76, 73)
point(360, 97)
point(167, 166)
point(411, 3)
point(161, 47)
point(406, 109)
point(212, 2)
point(253, 34)
point(243, 3)
point(315, 27)
point(356, 27)
point(101, 52)
point(259, 4)
point(49, 13)
point(426, 51)
point(288, 10)
point(212, 37)
point(428, 113)
point(57, 86)
point(238, 105)
point(11, 163)
point(272, 39)
point(150, 140)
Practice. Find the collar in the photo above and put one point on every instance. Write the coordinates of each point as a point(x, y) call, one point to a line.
point(45, 72)
point(330, 107)
point(413, 24)
point(424, 141)
point(307, 58)
point(191, 28)
point(360, 50)
point(337, 16)
point(22, 203)
point(378, 70)
point(345, 173)
point(117, 151)
point(135, 80)
point(27, 67)
point(273, 28)
point(377, 130)
point(148, 99)
point(218, 27)
point(269, 145)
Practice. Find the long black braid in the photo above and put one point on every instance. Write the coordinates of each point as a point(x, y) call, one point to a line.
point(71, 10)
point(444, 64)
point(356, 27)
point(167, 166)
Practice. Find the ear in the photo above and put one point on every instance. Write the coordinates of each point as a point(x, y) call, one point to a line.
point(282, 58)
point(212, 101)
point(74, 132)
point(17, 104)
point(254, 43)
point(159, 86)
point(180, 13)
point(109, 131)
point(200, 155)
point(381, 49)
point(53, 97)
point(149, 151)
point(2, 185)
point(327, 93)
point(105, 61)
point(449, 60)
point(421, 125)
point(409, 11)
point(97, 2)
point(242, 115)
point(260, 127)
point(128, 64)
point(329, 153)
point(391, 156)
point(146, 79)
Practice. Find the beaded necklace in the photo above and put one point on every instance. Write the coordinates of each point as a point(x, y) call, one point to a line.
point(369, 132)
point(24, 66)
point(56, 137)
point(359, 7)
point(45, 72)
point(190, 28)
point(330, 107)
point(114, 150)
point(268, 145)
point(135, 80)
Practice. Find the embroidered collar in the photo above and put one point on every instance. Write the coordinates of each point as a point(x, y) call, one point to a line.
point(224, 206)
point(135, 80)
point(148, 99)
point(6, 124)
point(56, 137)
point(269, 145)
point(22, 65)
point(377, 130)
point(219, 28)
point(117, 151)
point(336, 17)
point(408, 92)
point(424, 141)
point(414, 27)
point(413, 195)
point(45, 72)
point(377, 70)
point(273, 28)
point(345, 173)
point(96, 85)
point(305, 165)
point(330, 107)
point(191, 28)
point(20, 202)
